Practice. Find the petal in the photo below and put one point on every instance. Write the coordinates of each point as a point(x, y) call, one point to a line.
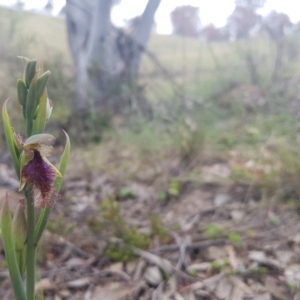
point(38, 139)
point(55, 171)
point(45, 150)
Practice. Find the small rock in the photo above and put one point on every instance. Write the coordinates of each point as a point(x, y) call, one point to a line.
point(188, 295)
point(113, 291)
point(237, 215)
point(285, 257)
point(213, 253)
point(177, 296)
point(256, 287)
point(44, 285)
point(212, 281)
point(216, 171)
point(153, 276)
point(79, 283)
point(239, 284)
point(65, 294)
point(221, 199)
point(75, 262)
point(116, 267)
point(198, 285)
point(257, 256)
point(276, 288)
point(198, 268)
point(261, 258)
point(296, 239)
point(292, 275)
point(265, 296)
point(297, 296)
point(146, 175)
point(237, 294)
point(224, 288)
point(202, 295)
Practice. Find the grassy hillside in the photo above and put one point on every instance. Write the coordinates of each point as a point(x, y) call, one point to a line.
point(206, 105)
point(40, 35)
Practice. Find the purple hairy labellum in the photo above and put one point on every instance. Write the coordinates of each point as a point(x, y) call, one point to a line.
point(40, 177)
point(37, 173)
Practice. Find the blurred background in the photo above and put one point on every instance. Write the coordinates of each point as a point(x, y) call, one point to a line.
point(184, 120)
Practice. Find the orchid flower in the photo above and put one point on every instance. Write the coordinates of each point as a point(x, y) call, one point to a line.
point(36, 170)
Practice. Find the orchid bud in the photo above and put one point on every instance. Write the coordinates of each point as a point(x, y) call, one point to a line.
point(41, 84)
point(24, 60)
point(31, 100)
point(30, 71)
point(22, 92)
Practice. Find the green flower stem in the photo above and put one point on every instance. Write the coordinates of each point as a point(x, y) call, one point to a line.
point(29, 127)
point(41, 223)
point(31, 247)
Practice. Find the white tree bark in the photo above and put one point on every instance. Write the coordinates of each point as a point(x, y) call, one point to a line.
point(142, 32)
point(98, 57)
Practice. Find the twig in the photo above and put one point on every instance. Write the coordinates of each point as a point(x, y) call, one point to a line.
point(193, 246)
point(62, 241)
point(109, 273)
point(157, 295)
point(182, 249)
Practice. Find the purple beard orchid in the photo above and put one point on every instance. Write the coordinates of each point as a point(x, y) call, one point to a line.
point(36, 172)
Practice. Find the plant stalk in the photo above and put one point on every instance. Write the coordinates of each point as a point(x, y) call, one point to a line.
point(31, 247)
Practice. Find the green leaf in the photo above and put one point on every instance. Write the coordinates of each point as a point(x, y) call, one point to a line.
point(22, 92)
point(41, 84)
point(127, 193)
point(10, 139)
point(45, 213)
point(236, 239)
point(174, 188)
point(10, 253)
point(162, 196)
point(30, 71)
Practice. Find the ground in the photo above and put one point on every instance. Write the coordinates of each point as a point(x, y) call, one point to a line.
point(211, 241)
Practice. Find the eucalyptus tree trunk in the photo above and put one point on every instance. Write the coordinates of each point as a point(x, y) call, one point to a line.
point(105, 57)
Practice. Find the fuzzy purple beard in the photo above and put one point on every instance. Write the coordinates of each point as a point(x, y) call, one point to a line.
point(40, 178)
